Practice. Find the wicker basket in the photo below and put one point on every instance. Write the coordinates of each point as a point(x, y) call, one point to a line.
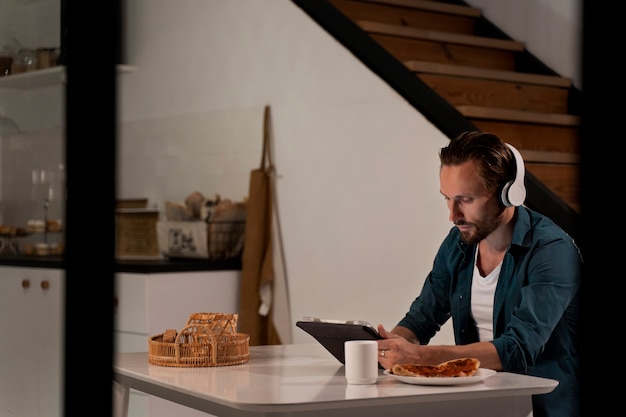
point(208, 339)
point(216, 240)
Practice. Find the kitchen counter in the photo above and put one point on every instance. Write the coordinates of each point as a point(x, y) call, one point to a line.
point(138, 266)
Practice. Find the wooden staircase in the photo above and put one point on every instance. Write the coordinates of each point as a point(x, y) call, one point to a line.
point(490, 79)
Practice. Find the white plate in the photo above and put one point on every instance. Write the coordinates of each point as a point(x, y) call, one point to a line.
point(480, 374)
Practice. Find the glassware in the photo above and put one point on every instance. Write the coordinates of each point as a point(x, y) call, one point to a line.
point(24, 61)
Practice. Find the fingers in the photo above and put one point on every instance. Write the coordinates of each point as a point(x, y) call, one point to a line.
point(385, 358)
point(383, 332)
point(386, 334)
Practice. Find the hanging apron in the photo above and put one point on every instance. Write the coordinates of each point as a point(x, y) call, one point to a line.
point(257, 269)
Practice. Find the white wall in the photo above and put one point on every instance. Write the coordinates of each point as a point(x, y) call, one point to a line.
point(357, 193)
point(551, 30)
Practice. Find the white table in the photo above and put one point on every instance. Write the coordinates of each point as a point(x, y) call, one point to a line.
point(305, 380)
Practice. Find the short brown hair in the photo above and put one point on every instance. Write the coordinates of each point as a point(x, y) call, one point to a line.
point(494, 160)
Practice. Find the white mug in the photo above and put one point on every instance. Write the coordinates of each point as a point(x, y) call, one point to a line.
point(361, 361)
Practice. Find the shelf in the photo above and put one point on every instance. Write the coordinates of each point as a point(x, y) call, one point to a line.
point(25, 2)
point(43, 78)
point(34, 79)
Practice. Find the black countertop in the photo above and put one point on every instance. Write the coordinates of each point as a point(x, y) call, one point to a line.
point(137, 266)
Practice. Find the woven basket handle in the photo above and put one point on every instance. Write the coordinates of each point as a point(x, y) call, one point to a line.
point(220, 323)
point(197, 333)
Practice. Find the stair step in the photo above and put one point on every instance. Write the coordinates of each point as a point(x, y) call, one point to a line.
point(440, 36)
point(529, 136)
point(487, 74)
point(478, 112)
point(460, 91)
point(551, 157)
point(416, 13)
point(432, 6)
point(563, 180)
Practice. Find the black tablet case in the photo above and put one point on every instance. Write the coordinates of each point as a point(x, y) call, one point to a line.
point(333, 335)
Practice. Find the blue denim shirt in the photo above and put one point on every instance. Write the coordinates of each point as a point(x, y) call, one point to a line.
point(536, 306)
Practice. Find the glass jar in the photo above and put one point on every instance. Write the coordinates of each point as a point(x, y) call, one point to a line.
point(24, 61)
point(47, 57)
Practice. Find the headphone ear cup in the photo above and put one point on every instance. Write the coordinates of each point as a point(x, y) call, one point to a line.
point(514, 192)
point(504, 194)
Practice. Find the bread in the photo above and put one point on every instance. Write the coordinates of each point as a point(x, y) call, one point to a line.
point(461, 367)
point(54, 225)
point(193, 202)
point(33, 226)
point(169, 336)
point(175, 212)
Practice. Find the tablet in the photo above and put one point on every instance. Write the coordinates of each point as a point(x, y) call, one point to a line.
point(333, 333)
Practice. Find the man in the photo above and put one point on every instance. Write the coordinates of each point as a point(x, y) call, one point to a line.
point(508, 277)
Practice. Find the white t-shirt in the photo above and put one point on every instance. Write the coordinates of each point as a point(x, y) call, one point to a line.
point(483, 290)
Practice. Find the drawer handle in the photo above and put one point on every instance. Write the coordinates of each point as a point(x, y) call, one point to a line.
point(45, 284)
point(25, 283)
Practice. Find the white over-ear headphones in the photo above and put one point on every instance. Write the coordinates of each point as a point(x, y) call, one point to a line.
point(514, 192)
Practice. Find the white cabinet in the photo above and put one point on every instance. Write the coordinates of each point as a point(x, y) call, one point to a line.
point(31, 349)
point(149, 304)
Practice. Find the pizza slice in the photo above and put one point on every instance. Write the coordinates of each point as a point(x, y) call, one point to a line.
point(460, 367)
